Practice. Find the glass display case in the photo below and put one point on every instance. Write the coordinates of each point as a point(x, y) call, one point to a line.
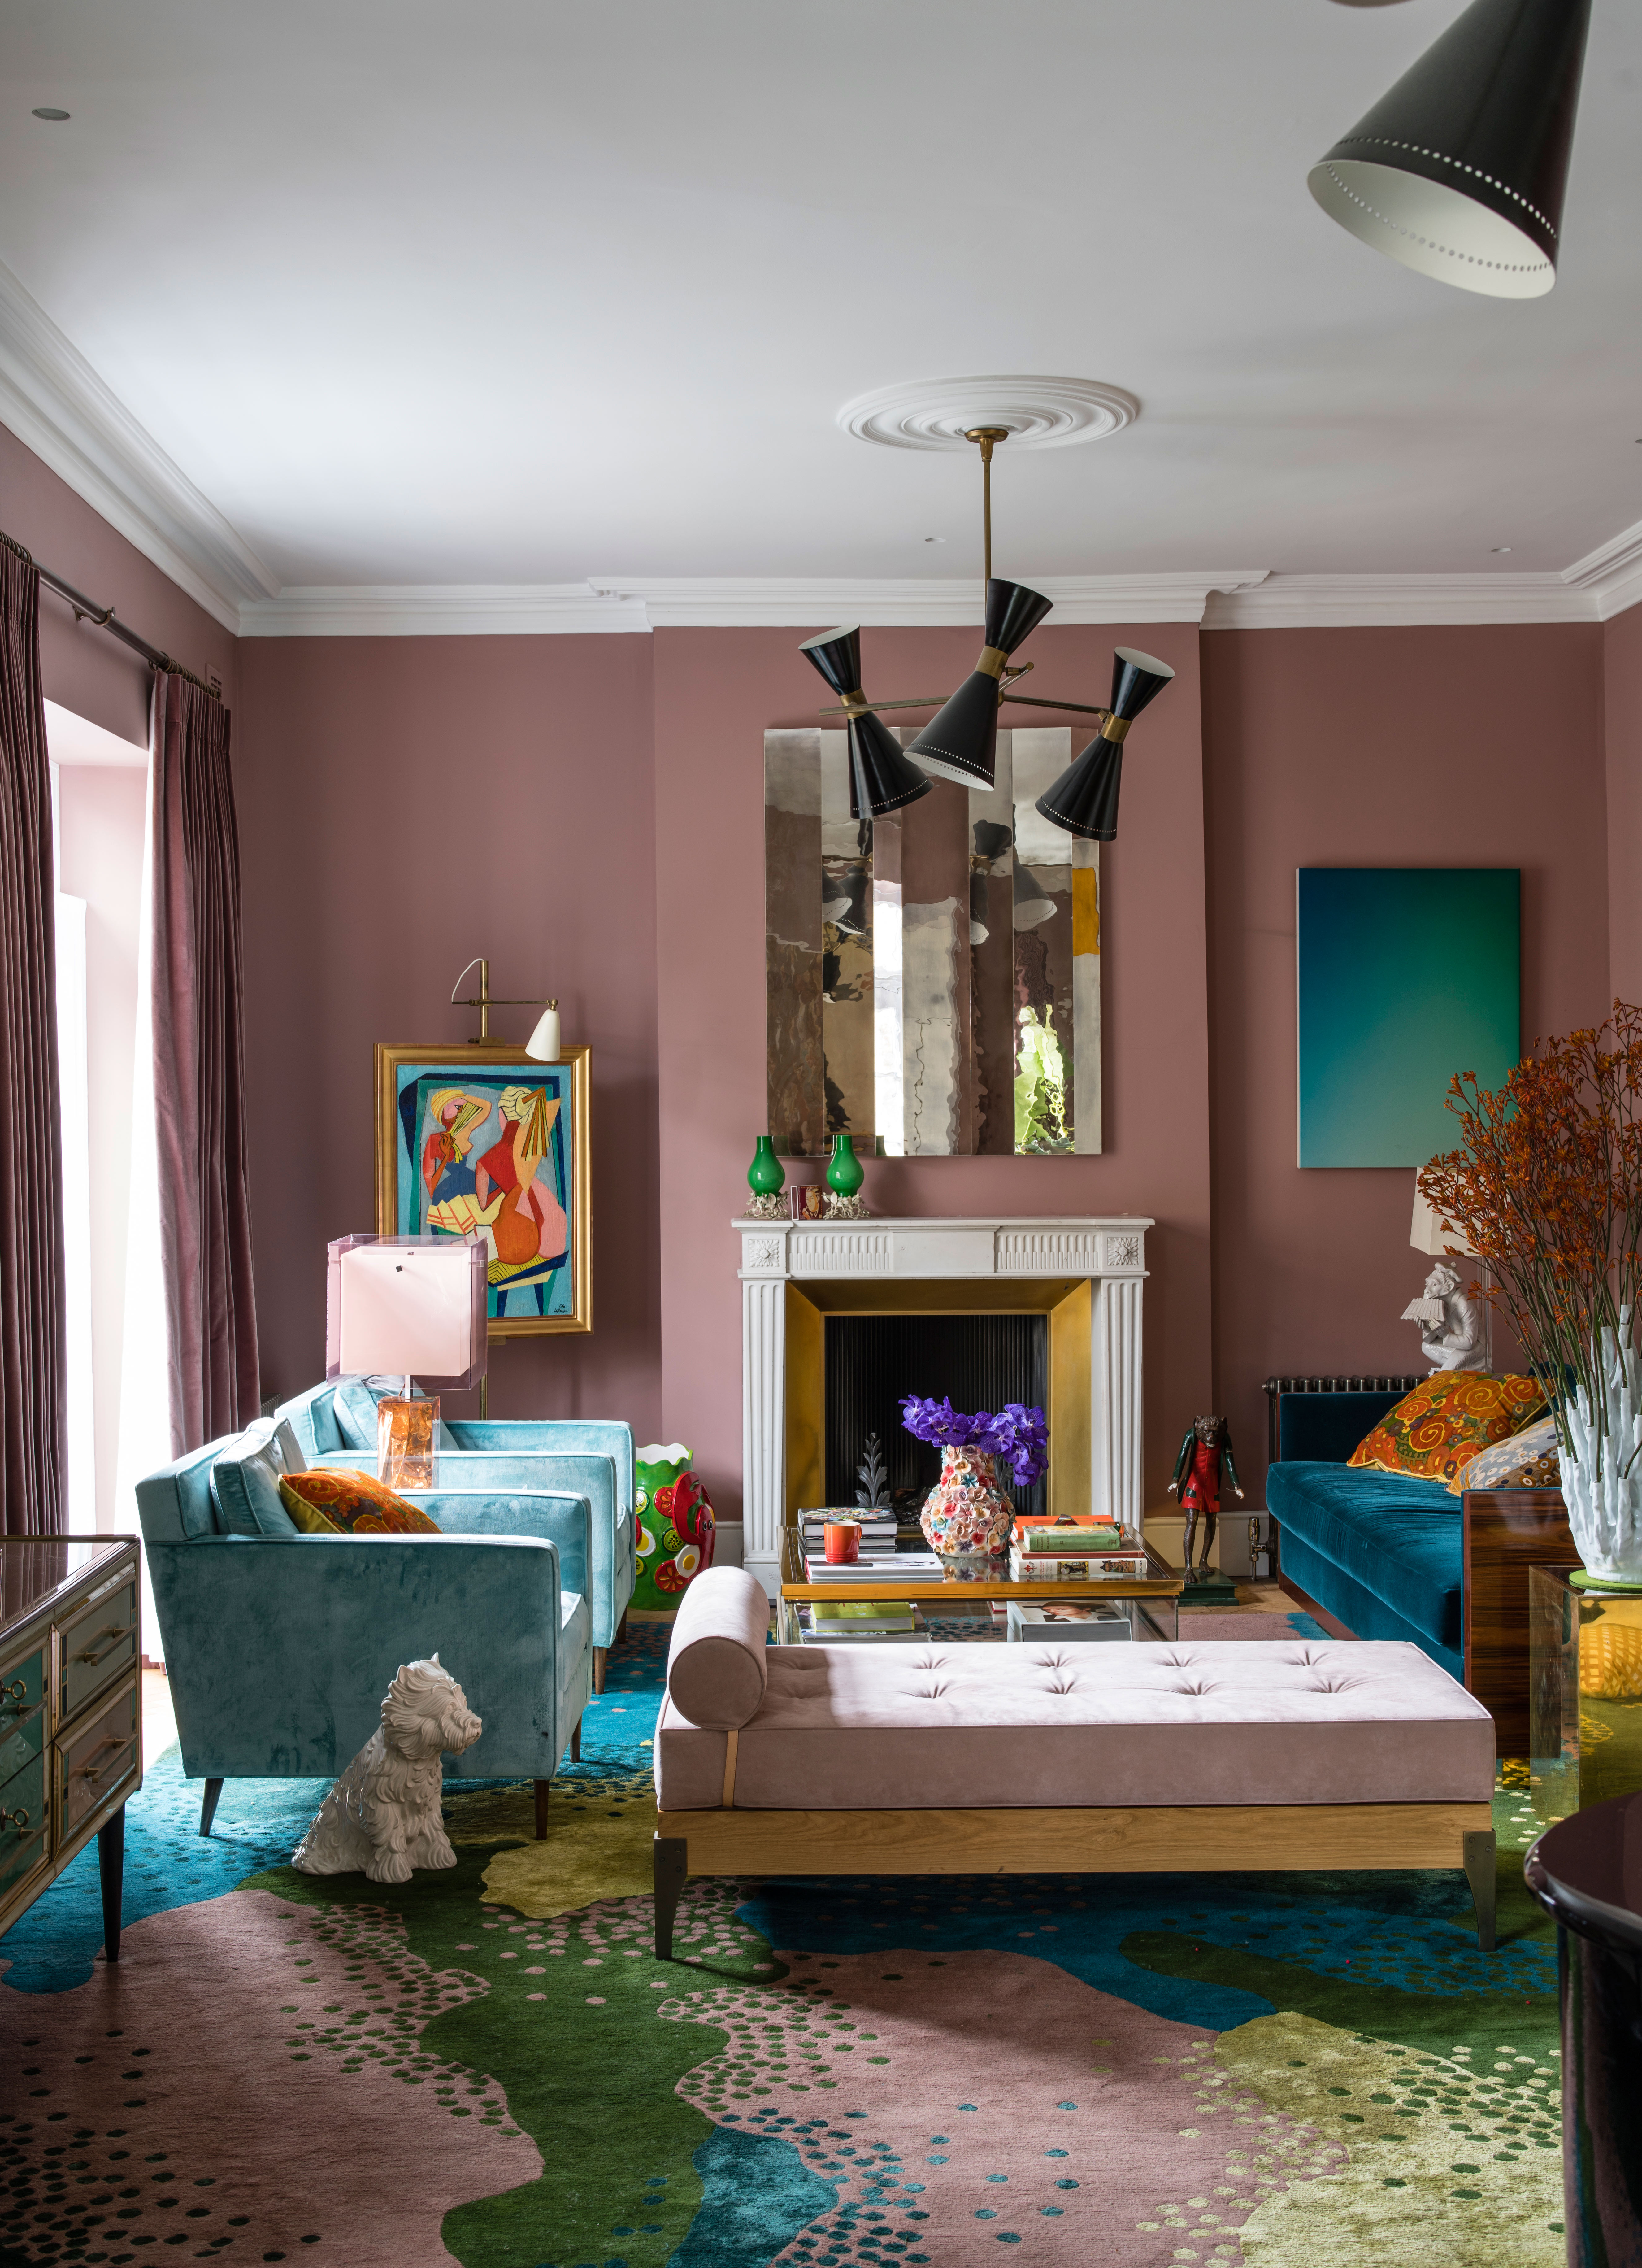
point(1585, 1693)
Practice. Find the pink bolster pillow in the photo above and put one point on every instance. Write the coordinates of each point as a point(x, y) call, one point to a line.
point(716, 1668)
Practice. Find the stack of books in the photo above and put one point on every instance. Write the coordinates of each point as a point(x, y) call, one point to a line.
point(878, 1530)
point(905, 1566)
point(1076, 1550)
point(858, 1622)
point(1090, 1619)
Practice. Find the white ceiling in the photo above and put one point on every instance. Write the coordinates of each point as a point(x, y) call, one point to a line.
point(522, 291)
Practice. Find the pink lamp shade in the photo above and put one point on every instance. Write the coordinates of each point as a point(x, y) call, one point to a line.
point(412, 1306)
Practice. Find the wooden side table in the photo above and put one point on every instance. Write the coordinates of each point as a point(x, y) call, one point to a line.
point(70, 1714)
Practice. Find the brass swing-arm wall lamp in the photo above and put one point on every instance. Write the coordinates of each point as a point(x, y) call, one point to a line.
point(960, 743)
point(543, 1044)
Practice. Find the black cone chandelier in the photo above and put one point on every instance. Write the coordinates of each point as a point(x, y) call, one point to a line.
point(959, 744)
point(1459, 170)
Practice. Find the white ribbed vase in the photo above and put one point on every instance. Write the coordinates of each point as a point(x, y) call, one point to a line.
point(1601, 1473)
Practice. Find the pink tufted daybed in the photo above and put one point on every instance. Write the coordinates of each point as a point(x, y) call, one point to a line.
point(1044, 1758)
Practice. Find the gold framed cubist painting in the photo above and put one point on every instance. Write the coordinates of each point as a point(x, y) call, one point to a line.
point(482, 1142)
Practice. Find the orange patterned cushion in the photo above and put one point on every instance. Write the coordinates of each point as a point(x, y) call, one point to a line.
point(1448, 1419)
point(351, 1503)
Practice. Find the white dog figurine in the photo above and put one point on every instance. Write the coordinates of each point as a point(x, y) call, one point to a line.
point(383, 1814)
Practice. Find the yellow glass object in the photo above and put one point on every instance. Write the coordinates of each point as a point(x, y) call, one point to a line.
point(1585, 1693)
point(407, 1430)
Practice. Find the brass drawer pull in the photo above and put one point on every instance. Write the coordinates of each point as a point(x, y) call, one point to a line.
point(115, 1631)
point(95, 1771)
point(19, 1820)
point(16, 1694)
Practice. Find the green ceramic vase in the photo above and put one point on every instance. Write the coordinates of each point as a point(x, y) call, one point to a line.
point(844, 1170)
point(765, 1174)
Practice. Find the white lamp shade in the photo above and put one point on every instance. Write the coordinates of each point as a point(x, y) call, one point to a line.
point(542, 1046)
point(1427, 1233)
point(410, 1306)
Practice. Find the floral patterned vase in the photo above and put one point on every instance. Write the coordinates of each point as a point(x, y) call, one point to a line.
point(675, 1526)
point(966, 1512)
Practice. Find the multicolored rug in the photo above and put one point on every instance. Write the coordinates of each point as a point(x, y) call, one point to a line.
point(487, 2066)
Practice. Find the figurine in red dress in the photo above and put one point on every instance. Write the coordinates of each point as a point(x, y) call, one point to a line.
point(1208, 1440)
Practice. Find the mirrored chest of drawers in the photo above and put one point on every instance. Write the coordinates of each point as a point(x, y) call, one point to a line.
point(70, 1714)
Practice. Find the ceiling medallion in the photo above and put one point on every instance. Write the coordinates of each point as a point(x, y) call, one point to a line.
point(959, 744)
point(1035, 413)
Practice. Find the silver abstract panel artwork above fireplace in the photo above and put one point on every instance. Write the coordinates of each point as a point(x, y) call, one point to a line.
point(933, 978)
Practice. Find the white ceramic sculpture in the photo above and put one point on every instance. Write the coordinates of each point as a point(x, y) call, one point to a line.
point(1605, 1507)
point(382, 1816)
point(1453, 1329)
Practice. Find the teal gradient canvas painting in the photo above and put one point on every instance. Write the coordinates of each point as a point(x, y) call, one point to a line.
point(1405, 974)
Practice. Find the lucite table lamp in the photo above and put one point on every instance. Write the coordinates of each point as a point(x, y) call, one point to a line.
point(411, 1307)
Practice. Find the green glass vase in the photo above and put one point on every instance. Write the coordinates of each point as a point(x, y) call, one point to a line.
point(844, 1170)
point(765, 1175)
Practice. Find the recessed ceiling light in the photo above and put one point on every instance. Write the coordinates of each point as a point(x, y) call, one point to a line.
point(1499, 547)
point(55, 117)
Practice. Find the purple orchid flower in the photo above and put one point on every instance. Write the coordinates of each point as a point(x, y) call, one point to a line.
point(1017, 1435)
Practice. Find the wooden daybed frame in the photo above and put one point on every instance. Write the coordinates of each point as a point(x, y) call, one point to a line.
point(1162, 1838)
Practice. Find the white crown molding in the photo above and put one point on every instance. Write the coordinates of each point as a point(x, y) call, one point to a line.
point(809, 602)
point(55, 402)
point(440, 610)
point(1302, 602)
point(1612, 573)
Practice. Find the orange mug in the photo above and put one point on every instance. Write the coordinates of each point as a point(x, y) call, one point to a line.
point(841, 1539)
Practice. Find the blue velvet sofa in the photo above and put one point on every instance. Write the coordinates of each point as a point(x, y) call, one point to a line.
point(335, 1424)
point(1386, 1556)
point(279, 1646)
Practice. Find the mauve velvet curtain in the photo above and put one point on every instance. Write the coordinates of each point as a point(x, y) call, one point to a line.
point(199, 1070)
point(34, 1449)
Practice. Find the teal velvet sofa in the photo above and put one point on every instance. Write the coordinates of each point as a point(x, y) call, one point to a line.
point(591, 1457)
point(1386, 1556)
point(279, 1646)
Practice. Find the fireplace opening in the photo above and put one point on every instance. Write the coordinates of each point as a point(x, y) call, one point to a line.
point(871, 1361)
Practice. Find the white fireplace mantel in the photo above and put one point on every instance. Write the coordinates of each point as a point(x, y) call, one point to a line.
point(1108, 1250)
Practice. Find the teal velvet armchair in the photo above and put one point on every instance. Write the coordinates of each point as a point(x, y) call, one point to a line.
point(279, 1646)
point(335, 1424)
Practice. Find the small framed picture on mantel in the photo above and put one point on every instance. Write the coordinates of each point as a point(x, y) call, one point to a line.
point(481, 1141)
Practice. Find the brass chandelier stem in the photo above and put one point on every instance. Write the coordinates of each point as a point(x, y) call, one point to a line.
point(985, 437)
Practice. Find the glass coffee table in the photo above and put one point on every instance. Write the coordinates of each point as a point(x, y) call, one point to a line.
point(1152, 1600)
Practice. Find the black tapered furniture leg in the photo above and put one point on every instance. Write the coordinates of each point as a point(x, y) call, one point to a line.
point(1481, 1873)
point(542, 1785)
point(672, 1854)
point(111, 1867)
point(576, 1744)
point(207, 1807)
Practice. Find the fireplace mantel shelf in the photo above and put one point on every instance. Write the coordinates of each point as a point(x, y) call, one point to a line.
point(1107, 1249)
point(1094, 1245)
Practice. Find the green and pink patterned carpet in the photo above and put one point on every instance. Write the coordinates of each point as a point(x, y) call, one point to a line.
point(489, 2067)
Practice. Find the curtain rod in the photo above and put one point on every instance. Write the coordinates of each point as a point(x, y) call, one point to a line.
point(88, 610)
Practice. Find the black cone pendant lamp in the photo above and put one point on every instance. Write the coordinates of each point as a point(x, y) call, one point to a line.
point(960, 744)
point(881, 779)
point(1084, 798)
point(1459, 171)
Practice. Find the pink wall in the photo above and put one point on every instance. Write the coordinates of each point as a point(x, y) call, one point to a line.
point(1451, 746)
point(1622, 705)
point(86, 668)
point(404, 803)
point(716, 691)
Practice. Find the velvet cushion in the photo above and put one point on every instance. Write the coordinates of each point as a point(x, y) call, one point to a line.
point(352, 1503)
point(1449, 1418)
point(898, 1727)
point(245, 1480)
point(1526, 1460)
point(353, 1406)
point(1400, 1539)
point(716, 1666)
